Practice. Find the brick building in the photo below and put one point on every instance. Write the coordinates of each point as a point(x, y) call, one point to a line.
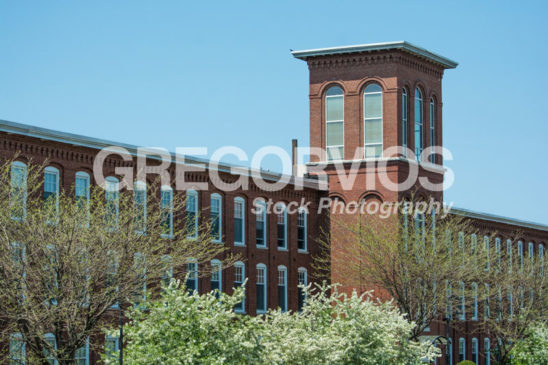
point(364, 100)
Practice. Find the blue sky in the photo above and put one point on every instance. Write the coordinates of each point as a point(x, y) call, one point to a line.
point(173, 73)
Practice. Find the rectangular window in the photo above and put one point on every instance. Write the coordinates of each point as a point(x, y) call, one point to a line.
point(239, 222)
point(432, 129)
point(303, 281)
point(216, 217)
point(81, 192)
point(18, 190)
point(520, 255)
point(216, 276)
point(282, 227)
point(282, 288)
point(166, 207)
point(17, 350)
point(487, 253)
point(462, 304)
point(462, 349)
point(301, 231)
point(112, 202)
point(167, 272)
point(475, 351)
point(404, 121)
point(51, 183)
point(192, 277)
point(140, 206)
point(498, 253)
point(486, 303)
point(261, 289)
point(112, 348)
point(239, 277)
point(81, 356)
point(373, 133)
point(449, 300)
point(192, 214)
point(475, 303)
point(260, 225)
point(335, 126)
point(509, 254)
point(487, 350)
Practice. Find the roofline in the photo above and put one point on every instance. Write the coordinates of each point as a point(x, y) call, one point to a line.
point(371, 47)
point(498, 219)
point(97, 143)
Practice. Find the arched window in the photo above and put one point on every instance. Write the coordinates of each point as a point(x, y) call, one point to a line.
point(140, 206)
point(303, 280)
point(486, 249)
point(52, 342)
point(487, 350)
point(531, 251)
point(475, 301)
point(462, 349)
point(498, 252)
point(520, 255)
point(404, 117)
point(166, 206)
point(239, 278)
point(192, 275)
point(475, 358)
point(281, 213)
point(509, 253)
point(261, 288)
point(239, 221)
point(302, 230)
point(192, 213)
point(216, 275)
point(541, 258)
point(51, 187)
point(372, 110)
point(282, 288)
point(81, 190)
point(260, 223)
point(334, 121)
point(433, 137)
point(18, 190)
point(112, 188)
point(419, 145)
point(216, 216)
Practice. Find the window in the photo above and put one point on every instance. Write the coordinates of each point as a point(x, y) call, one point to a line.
point(261, 288)
point(334, 123)
point(18, 190)
point(167, 273)
point(81, 356)
point(282, 288)
point(510, 298)
point(239, 278)
point(531, 251)
point(404, 112)
point(486, 304)
point(509, 253)
point(81, 191)
point(112, 204)
point(372, 101)
point(449, 352)
point(461, 247)
point(111, 272)
point(239, 221)
point(17, 350)
point(541, 258)
point(166, 206)
point(462, 349)
point(498, 253)
point(216, 217)
point(499, 304)
point(487, 350)
point(260, 225)
point(474, 244)
point(475, 358)
point(140, 206)
point(302, 230)
point(51, 188)
point(112, 347)
point(520, 255)
point(449, 298)
point(140, 269)
point(433, 128)
point(216, 276)
point(281, 213)
point(462, 304)
point(475, 301)
point(303, 280)
point(192, 213)
point(418, 124)
point(52, 342)
point(192, 276)
point(487, 254)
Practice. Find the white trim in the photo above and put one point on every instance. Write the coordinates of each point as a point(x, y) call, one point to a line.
point(282, 281)
point(240, 200)
point(487, 350)
point(192, 272)
point(304, 271)
point(141, 187)
point(327, 147)
point(164, 190)
point(240, 265)
point(112, 186)
point(194, 194)
point(284, 247)
point(305, 226)
point(418, 97)
point(18, 165)
point(475, 356)
point(432, 111)
point(365, 144)
point(53, 171)
point(217, 197)
point(217, 264)
point(86, 353)
point(475, 304)
point(264, 218)
point(262, 267)
point(404, 120)
point(462, 341)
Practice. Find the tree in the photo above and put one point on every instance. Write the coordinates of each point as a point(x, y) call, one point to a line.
point(68, 261)
point(423, 262)
point(533, 349)
point(331, 329)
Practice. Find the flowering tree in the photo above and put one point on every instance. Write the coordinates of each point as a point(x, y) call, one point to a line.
point(332, 328)
point(534, 347)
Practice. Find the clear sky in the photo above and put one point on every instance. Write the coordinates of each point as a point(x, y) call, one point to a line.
point(190, 73)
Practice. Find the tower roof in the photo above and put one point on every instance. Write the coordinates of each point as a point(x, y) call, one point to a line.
point(372, 47)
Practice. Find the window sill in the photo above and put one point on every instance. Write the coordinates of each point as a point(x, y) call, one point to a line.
point(217, 242)
point(262, 247)
point(261, 312)
point(239, 244)
point(282, 249)
point(240, 311)
point(303, 251)
point(167, 236)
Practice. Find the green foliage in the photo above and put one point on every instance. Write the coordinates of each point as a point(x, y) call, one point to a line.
point(534, 347)
point(466, 362)
point(332, 328)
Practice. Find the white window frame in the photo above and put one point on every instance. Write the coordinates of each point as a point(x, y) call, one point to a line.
point(112, 186)
point(240, 200)
point(83, 176)
point(86, 353)
point(487, 350)
point(165, 189)
point(192, 273)
point(53, 171)
point(194, 194)
point(327, 147)
point(487, 302)
point(239, 265)
point(462, 349)
point(475, 302)
point(365, 145)
point(282, 281)
point(219, 198)
point(302, 211)
point(260, 207)
point(217, 270)
point(302, 279)
point(22, 167)
point(284, 207)
point(531, 251)
point(141, 187)
point(475, 354)
point(265, 285)
point(418, 98)
point(404, 118)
